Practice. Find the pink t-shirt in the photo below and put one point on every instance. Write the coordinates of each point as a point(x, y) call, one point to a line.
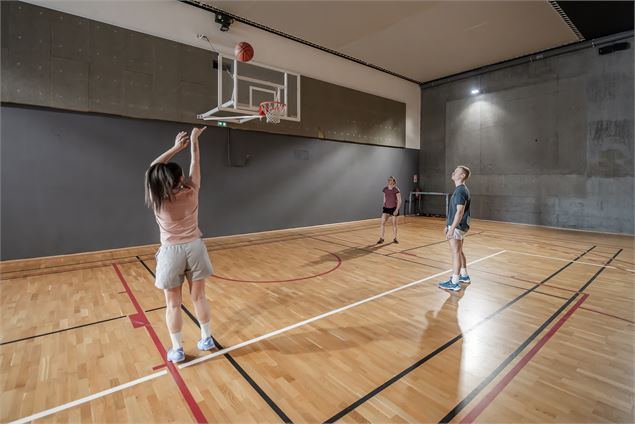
point(178, 218)
point(391, 197)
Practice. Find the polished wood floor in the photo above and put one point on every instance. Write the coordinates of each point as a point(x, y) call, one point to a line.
point(543, 334)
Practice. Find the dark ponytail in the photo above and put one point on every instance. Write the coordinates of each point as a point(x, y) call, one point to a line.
point(161, 180)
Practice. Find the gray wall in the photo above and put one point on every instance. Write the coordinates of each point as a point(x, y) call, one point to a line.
point(55, 59)
point(73, 182)
point(334, 112)
point(548, 142)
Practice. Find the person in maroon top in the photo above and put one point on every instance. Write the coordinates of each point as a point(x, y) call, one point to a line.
point(392, 202)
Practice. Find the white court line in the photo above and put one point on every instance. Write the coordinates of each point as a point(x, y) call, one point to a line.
point(565, 260)
point(89, 398)
point(231, 348)
point(324, 315)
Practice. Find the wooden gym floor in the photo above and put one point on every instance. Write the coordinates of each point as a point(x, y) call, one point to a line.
point(320, 324)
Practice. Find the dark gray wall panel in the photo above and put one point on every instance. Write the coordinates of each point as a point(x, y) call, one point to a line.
point(73, 182)
point(549, 142)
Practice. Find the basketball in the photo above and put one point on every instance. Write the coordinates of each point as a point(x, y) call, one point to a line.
point(243, 51)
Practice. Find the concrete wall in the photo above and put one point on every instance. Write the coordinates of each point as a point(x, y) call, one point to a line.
point(55, 59)
point(548, 142)
point(179, 22)
point(73, 182)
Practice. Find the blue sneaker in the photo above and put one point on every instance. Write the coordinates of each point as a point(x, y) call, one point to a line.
point(448, 285)
point(177, 355)
point(206, 344)
point(465, 279)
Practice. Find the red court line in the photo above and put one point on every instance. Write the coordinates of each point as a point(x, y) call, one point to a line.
point(141, 320)
point(489, 398)
point(339, 263)
point(559, 288)
point(608, 315)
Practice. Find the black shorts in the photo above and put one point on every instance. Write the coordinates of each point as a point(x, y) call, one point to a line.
point(390, 211)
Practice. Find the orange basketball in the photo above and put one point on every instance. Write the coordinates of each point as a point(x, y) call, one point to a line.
point(243, 51)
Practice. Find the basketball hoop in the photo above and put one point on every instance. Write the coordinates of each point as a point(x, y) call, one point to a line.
point(273, 111)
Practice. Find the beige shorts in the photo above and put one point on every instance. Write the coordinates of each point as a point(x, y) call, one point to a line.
point(175, 262)
point(458, 234)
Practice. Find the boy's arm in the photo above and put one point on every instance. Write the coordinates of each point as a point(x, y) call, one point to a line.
point(460, 210)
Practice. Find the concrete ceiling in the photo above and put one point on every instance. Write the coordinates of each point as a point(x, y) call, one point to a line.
point(421, 40)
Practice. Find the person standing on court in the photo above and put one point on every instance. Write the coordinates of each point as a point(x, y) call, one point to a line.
point(458, 224)
point(182, 252)
point(392, 202)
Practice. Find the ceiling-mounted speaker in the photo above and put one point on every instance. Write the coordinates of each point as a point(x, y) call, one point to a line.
point(614, 48)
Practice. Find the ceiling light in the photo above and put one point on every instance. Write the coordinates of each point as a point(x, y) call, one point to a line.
point(475, 91)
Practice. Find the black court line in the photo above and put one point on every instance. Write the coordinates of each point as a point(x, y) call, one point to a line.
point(276, 239)
point(440, 349)
point(219, 247)
point(523, 288)
point(62, 330)
point(110, 261)
point(155, 309)
point(463, 403)
point(235, 364)
point(74, 328)
point(519, 237)
point(298, 236)
point(375, 253)
point(528, 241)
point(563, 249)
point(73, 267)
point(432, 244)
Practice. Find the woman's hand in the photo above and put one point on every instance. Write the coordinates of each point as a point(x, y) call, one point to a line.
point(196, 132)
point(181, 141)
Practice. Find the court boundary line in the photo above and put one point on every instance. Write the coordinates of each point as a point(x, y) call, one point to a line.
point(392, 255)
point(148, 378)
point(567, 260)
point(290, 280)
point(480, 270)
point(268, 335)
point(376, 253)
point(607, 315)
point(441, 348)
point(518, 236)
point(122, 260)
point(300, 236)
point(432, 244)
point(324, 315)
point(232, 361)
point(369, 224)
point(477, 390)
point(61, 330)
point(155, 246)
point(89, 398)
point(531, 239)
point(507, 378)
point(582, 230)
point(143, 321)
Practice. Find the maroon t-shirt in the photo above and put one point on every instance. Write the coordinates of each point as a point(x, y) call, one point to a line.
point(391, 197)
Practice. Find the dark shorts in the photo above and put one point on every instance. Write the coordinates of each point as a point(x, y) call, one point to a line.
point(390, 211)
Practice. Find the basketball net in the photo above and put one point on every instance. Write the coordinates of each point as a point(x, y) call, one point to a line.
point(273, 111)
